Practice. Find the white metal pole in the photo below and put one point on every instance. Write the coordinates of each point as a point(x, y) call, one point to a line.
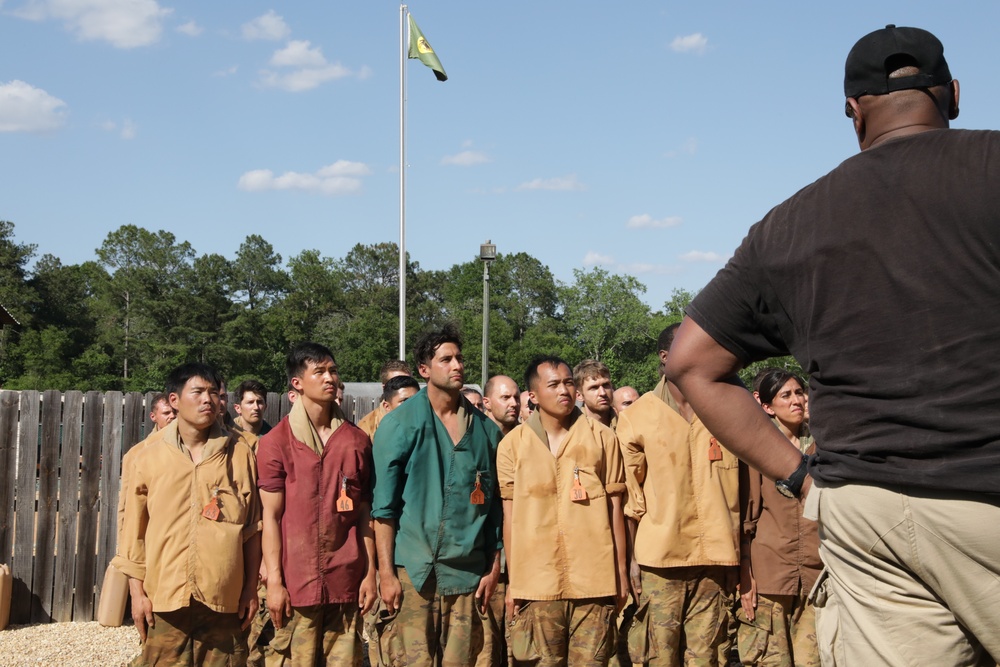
point(403, 33)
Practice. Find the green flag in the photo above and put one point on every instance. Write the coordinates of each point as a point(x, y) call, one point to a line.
point(421, 49)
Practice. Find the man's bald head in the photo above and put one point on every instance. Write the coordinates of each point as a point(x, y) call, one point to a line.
point(501, 399)
point(624, 397)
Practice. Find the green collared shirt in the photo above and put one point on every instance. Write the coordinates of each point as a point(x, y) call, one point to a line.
point(424, 483)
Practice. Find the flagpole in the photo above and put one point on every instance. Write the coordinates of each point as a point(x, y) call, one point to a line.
point(402, 182)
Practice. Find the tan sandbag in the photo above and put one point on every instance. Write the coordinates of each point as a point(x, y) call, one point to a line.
point(6, 585)
point(114, 595)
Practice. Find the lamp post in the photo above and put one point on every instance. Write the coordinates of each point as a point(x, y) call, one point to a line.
point(487, 253)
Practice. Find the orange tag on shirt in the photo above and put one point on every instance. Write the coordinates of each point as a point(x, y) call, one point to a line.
point(714, 450)
point(477, 497)
point(211, 510)
point(344, 502)
point(577, 493)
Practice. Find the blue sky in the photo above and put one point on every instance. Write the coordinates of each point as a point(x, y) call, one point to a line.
point(644, 137)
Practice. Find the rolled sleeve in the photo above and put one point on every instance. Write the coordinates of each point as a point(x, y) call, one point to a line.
point(505, 468)
point(614, 468)
point(391, 452)
point(270, 466)
point(254, 522)
point(131, 558)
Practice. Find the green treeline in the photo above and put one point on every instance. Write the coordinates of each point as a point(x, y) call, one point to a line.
point(149, 302)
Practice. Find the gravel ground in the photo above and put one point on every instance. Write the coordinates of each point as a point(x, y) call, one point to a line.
point(68, 644)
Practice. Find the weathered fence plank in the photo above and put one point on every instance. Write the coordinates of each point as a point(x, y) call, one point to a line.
point(43, 574)
point(24, 528)
point(8, 470)
point(111, 463)
point(69, 507)
point(90, 475)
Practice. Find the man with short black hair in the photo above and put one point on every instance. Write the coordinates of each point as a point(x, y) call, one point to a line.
point(397, 391)
point(251, 402)
point(190, 540)
point(437, 514)
point(683, 519)
point(881, 278)
point(390, 369)
point(562, 483)
point(319, 548)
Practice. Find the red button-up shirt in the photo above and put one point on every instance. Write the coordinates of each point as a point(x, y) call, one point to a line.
point(323, 559)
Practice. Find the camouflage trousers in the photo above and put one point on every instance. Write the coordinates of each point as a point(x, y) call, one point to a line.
point(782, 634)
point(326, 634)
point(689, 614)
point(495, 630)
point(429, 630)
point(557, 633)
point(193, 636)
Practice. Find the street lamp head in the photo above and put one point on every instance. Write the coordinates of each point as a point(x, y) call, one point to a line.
point(488, 251)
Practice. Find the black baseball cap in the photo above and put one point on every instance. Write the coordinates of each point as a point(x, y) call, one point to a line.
point(879, 53)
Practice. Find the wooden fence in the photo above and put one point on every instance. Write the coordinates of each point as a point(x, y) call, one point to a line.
point(60, 471)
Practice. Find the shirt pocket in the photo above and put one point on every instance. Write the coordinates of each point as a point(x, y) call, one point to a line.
point(592, 482)
point(232, 502)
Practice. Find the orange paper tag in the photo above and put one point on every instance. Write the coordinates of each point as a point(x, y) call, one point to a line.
point(344, 502)
point(714, 450)
point(477, 497)
point(577, 493)
point(211, 510)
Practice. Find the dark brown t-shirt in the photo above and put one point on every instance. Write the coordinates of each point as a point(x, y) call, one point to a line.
point(883, 279)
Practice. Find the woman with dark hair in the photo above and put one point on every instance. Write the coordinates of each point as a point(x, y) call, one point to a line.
point(779, 550)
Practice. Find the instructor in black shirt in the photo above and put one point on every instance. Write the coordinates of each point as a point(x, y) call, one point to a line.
point(883, 279)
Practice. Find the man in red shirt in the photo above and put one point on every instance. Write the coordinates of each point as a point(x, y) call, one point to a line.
point(315, 485)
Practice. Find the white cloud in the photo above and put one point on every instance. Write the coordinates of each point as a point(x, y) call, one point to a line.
point(593, 258)
point(268, 26)
point(345, 168)
point(641, 267)
point(694, 43)
point(689, 147)
point(646, 221)
point(562, 183)
point(24, 108)
point(702, 256)
point(127, 130)
point(339, 178)
point(125, 24)
point(312, 71)
point(466, 159)
point(298, 53)
point(229, 71)
point(191, 29)
point(304, 79)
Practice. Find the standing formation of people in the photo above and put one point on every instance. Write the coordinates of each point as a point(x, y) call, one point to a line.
point(512, 526)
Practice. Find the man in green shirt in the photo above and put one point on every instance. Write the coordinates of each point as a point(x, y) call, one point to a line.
point(437, 516)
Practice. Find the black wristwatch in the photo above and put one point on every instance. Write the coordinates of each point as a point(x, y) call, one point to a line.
point(792, 487)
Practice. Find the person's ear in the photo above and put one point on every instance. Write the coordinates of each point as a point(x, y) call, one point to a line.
point(953, 106)
point(853, 111)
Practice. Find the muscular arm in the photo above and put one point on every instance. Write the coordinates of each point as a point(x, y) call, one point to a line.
point(705, 372)
point(618, 534)
point(278, 604)
point(508, 513)
point(385, 545)
point(369, 588)
point(251, 573)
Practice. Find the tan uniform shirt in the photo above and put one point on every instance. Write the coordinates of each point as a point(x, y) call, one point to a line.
point(560, 549)
point(369, 423)
point(687, 505)
point(127, 462)
point(167, 543)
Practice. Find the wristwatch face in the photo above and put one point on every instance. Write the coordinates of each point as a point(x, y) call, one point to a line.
point(783, 489)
